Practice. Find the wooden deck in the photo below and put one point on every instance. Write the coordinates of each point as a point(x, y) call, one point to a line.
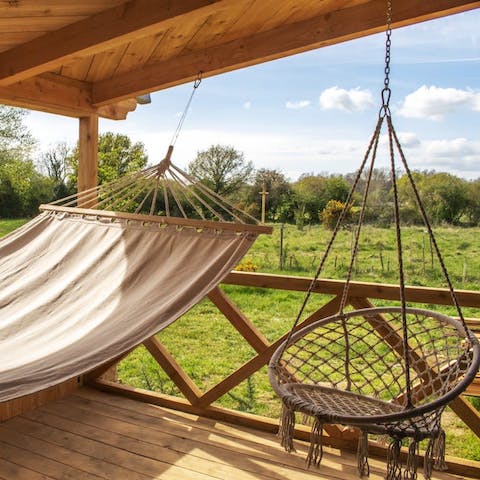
point(94, 435)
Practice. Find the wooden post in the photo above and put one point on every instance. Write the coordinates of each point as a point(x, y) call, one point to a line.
point(87, 157)
point(264, 194)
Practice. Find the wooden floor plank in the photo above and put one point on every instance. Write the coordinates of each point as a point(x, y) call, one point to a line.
point(242, 452)
point(97, 468)
point(41, 464)
point(94, 435)
point(260, 443)
point(95, 443)
point(11, 471)
point(181, 451)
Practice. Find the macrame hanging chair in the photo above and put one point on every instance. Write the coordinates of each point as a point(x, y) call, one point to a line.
point(385, 370)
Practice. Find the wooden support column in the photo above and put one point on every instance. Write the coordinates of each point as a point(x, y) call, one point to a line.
point(88, 157)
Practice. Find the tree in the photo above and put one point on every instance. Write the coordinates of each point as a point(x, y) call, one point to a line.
point(22, 188)
point(15, 139)
point(444, 196)
point(313, 192)
point(117, 156)
point(473, 208)
point(278, 189)
point(56, 163)
point(221, 168)
point(450, 197)
point(309, 190)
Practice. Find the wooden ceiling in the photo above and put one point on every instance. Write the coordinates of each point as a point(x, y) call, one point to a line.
point(79, 58)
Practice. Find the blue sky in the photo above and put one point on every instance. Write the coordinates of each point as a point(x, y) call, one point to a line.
point(315, 112)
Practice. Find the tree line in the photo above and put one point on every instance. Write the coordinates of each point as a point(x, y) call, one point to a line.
point(319, 198)
point(311, 199)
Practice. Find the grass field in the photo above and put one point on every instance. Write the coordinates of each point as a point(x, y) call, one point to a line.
point(209, 348)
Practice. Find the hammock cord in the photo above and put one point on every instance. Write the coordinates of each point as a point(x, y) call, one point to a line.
point(177, 131)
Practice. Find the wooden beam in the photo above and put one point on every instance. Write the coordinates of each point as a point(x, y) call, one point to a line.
point(438, 296)
point(338, 26)
point(108, 29)
point(58, 95)
point(262, 358)
point(50, 93)
point(88, 153)
point(236, 317)
point(163, 357)
point(468, 413)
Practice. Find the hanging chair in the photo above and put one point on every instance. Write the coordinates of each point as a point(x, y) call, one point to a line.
point(386, 370)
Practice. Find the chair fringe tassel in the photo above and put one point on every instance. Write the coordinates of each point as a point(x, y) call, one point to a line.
point(394, 464)
point(410, 472)
point(439, 452)
point(315, 452)
point(286, 428)
point(435, 455)
point(362, 455)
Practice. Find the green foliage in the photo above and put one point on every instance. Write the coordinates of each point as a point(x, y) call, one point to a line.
point(444, 196)
point(117, 156)
point(221, 168)
point(313, 192)
point(473, 207)
point(22, 189)
point(56, 163)
point(278, 192)
point(331, 213)
point(15, 139)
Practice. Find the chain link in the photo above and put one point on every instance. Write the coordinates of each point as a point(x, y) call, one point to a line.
point(386, 92)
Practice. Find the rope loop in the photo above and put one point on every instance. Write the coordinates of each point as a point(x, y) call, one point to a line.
point(198, 80)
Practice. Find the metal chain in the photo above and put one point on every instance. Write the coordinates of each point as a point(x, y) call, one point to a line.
point(386, 92)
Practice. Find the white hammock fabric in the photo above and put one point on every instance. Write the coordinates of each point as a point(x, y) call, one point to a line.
point(78, 290)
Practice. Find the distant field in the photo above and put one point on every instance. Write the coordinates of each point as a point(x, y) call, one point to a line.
point(209, 348)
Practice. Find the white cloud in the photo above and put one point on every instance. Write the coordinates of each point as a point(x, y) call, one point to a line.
point(459, 156)
point(476, 103)
point(348, 100)
point(297, 104)
point(454, 149)
point(408, 139)
point(247, 105)
point(435, 102)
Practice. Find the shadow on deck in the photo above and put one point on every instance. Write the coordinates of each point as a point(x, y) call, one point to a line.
point(95, 435)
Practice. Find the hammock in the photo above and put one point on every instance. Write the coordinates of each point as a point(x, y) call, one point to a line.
point(80, 286)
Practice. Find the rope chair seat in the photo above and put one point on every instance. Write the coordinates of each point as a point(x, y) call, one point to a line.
point(349, 369)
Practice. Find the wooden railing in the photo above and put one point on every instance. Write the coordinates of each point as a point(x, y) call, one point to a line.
point(361, 295)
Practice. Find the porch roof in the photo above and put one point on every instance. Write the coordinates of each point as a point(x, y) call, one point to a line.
point(97, 57)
